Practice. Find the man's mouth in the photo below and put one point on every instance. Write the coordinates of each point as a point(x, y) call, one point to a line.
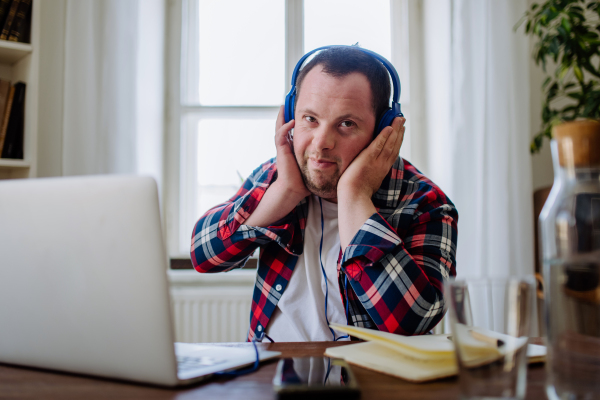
point(321, 163)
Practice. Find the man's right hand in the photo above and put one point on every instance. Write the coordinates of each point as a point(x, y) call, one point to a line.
point(288, 172)
point(288, 190)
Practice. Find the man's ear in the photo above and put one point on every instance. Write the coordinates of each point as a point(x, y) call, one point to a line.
point(290, 140)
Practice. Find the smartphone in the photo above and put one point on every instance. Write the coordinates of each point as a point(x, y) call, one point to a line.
point(315, 378)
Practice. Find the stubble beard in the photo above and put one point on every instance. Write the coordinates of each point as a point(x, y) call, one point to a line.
point(325, 188)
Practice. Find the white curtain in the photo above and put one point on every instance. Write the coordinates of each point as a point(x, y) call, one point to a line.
point(476, 130)
point(113, 87)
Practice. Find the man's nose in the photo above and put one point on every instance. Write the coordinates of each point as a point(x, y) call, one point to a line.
point(324, 137)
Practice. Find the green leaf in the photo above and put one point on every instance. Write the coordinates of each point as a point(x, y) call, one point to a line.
point(552, 91)
point(554, 48)
point(562, 72)
point(578, 73)
point(591, 109)
point(587, 65)
point(533, 148)
point(546, 82)
point(520, 22)
point(577, 9)
point(562, 32)
point(568, 51)
point(578, 15)
point(566, 25)
point(568, 109)
point(555, 121)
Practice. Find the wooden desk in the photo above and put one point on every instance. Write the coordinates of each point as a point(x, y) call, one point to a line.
point(26, 383)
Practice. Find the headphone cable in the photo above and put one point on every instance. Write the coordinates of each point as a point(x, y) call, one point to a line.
point(325, 276)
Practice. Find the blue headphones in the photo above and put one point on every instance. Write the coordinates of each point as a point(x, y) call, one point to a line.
point(388, 116)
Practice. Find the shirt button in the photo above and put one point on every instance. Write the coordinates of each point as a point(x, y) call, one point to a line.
point(259, 328)
point(278, 288)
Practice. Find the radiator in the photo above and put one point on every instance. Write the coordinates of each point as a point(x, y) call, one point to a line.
point(205, 312)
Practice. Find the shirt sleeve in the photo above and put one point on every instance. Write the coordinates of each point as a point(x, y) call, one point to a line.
point(221, 241)
point(400, 281)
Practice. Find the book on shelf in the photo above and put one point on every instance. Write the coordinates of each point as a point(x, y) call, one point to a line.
point(14, 139)
point(21, 24)
point(8, 99)
point(4, 7)
point(12, 13)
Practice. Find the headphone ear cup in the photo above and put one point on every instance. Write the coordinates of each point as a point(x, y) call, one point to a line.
point(388, 117)
point(290, 99)
point(386, 120)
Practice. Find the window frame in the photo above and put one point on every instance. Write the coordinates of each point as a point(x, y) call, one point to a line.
point(179, 149)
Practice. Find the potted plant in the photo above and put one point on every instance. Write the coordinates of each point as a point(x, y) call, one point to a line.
point(568, 43)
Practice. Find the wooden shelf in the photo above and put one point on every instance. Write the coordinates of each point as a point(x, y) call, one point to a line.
point(11, 52)
point(10, 163)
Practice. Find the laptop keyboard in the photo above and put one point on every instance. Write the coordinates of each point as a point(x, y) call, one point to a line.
point(185, 363)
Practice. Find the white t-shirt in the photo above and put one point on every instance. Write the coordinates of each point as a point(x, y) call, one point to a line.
point(300, 312)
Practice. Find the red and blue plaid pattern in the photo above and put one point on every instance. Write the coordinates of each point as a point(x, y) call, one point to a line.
point(396, 264)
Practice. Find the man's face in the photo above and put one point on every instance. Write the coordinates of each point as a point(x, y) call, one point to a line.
point(334, 123)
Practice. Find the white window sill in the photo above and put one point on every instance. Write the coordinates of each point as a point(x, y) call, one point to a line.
point(187, 277)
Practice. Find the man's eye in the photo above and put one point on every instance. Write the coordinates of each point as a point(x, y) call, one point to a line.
point(308, 118)
point(347, 124)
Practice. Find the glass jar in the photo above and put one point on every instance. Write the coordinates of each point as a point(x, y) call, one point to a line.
point(570, 249)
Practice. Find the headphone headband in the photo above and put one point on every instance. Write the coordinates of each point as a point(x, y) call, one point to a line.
point(388, 116)
point(390, 68)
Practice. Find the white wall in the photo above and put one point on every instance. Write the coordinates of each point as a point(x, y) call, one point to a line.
point(51, 83)
point(541, 162)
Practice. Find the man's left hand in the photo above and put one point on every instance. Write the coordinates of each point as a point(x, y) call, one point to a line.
point(364, 175)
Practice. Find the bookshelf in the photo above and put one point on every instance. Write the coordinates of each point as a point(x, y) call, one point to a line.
point(20, 62)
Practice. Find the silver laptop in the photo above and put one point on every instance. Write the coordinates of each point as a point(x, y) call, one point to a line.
point(83, 283)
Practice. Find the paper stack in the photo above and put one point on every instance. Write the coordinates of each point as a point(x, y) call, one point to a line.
point(414, 358)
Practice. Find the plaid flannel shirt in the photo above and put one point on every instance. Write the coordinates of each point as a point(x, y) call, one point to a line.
point(395, 265)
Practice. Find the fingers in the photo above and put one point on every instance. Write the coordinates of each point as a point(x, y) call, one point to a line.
point(399, 128)
point(379, 143)
point(394, 140)
point(387, 144)
point(400, 138)
point(280, 119)
point(286, 127)
point(282, 128)
point(281, 136)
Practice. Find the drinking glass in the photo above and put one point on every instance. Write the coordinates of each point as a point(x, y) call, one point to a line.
point(490, 320)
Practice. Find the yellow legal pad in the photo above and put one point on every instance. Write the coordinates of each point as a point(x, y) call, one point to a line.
point(413, 358)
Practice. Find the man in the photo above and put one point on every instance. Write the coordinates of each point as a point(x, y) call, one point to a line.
point(349, 232)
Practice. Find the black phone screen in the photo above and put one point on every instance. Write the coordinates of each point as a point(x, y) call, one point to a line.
point(315, 376)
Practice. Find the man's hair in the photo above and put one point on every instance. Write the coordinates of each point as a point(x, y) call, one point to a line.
point(342, 61)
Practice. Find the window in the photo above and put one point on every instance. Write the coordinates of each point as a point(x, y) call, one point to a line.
point(230, 77)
